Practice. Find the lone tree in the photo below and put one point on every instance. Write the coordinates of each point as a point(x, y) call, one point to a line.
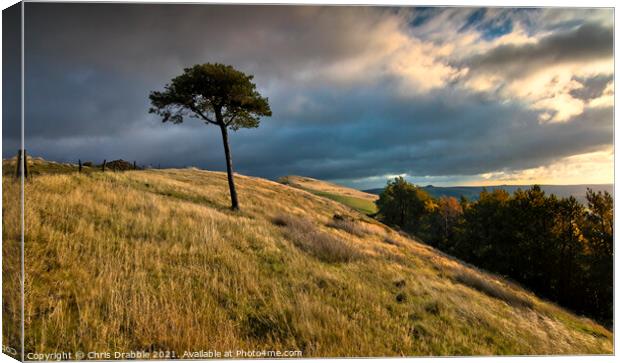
point(216, 94)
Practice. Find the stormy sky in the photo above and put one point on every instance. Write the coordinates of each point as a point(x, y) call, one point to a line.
point(445, 96)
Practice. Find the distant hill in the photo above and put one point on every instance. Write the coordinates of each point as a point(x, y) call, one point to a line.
point(358, 200)
point(473, 192)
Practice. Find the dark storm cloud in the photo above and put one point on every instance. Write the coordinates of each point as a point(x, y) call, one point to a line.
point(272, 41)
point(586, 42)
point(592, 87)
point(467, 137)
point(82, 102)
point(11, 79)
point(90, 68)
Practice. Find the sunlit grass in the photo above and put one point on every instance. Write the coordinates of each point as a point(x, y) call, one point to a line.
point(155, 260)
point(361, 205)
point(358, 200)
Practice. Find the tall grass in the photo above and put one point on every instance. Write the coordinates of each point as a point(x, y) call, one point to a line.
point(155, 260)
point(11, 265)
point(349, 225)
point(492, 288)
point(322, 245)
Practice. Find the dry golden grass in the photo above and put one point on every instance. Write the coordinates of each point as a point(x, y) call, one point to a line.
point(11, 256)
point(322, 245)
point(155, 260)
point(492, 288)
point(349, 225)
point(303, 182)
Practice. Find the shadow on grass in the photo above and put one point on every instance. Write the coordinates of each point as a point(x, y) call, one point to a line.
point(492, 289)
point(308, 238)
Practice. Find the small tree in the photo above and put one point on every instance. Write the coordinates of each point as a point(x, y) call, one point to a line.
point(403, 204)
point(216, 94)
point(444, 220)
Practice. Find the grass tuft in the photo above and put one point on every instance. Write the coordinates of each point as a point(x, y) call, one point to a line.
point(307, 237)
point(348, 225)
point(433, 308)
point(391, 241)
point(492, 288)
point(278, 325)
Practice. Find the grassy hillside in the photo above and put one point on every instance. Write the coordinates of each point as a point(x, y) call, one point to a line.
point(155, 260)
point(360, 201)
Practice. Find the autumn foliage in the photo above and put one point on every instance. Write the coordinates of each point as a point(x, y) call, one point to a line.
point(557, 247)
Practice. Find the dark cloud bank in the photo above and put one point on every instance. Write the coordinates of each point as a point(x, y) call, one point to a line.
point(584, 43)
point(90, 67)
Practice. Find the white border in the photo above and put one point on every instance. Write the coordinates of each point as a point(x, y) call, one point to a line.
point(480, 3)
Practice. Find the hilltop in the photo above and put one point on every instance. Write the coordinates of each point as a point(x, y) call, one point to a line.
point(155, 260)
point(356, 199)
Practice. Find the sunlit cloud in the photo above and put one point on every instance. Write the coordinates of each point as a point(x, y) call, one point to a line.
point(569, 170)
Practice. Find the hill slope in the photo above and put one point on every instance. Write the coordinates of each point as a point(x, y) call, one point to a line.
point(356, 199)
point(155, 260)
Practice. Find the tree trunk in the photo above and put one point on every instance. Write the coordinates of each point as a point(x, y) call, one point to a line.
point(229, 169)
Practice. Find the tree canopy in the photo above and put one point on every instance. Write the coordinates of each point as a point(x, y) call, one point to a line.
point(217, 94)
point(403, 204)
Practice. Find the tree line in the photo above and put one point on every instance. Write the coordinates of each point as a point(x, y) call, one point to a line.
point(558, 247)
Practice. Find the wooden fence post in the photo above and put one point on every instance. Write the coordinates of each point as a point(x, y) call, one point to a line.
point(103, 165)
point(25, 164)
point(18, 166)
point(21, 156)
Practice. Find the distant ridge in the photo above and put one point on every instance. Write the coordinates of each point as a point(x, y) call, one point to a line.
point(473, 192)
point(356, 199)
